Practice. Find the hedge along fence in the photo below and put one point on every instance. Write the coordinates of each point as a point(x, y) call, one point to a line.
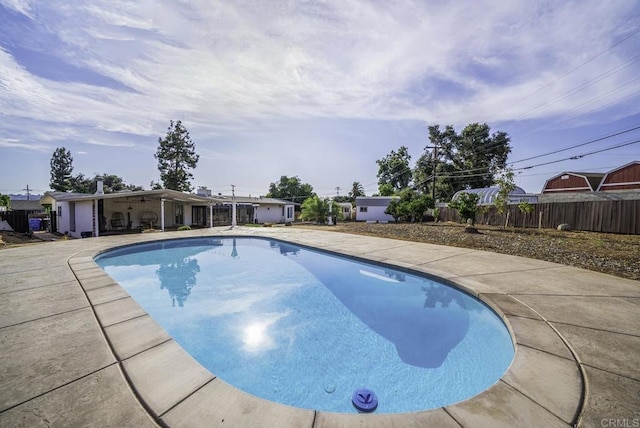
point(621, 216)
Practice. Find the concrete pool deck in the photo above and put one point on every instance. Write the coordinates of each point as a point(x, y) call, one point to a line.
point(76, 350)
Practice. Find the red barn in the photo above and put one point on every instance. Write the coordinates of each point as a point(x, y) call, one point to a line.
point(573, 182)
point(626, 177)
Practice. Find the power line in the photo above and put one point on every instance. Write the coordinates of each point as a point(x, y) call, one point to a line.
point(628, 143)
point(577, 145)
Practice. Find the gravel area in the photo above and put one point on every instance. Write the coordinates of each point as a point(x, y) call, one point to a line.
point(613, 254)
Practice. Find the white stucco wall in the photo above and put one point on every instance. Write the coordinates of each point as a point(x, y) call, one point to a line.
point(84, 218)
point(373, 214)
point(271, 213)
point(62, 207)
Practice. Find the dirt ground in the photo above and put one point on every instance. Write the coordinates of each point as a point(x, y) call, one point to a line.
point(613, 254)
point(12, 239)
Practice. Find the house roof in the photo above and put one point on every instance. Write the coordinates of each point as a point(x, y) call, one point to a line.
point(253, 200)
point(171, 195)
point(488, 194)
point(593, 178)
point(20, 205)
point(374, 201)
point(167, 194)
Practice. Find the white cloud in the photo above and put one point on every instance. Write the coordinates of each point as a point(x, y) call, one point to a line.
point(21, 6)
point(227, 68)
point(222, 63)
point(17, 144)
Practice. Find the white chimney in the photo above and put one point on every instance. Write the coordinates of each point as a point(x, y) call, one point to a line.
point(99, 185)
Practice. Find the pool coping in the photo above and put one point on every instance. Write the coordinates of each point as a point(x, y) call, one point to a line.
point(546, 383)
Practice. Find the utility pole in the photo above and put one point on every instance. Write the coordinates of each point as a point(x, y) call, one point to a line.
point(434, 156)
point(28, 192)
point(338, 191)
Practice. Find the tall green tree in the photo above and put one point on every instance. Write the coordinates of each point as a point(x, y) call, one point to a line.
point(394, 169)
point(318, 209)
point(290, 189)
point(61, 170)
point(356, 190)
point(506, 185)
point(410, 206)
point(5, 201)
point(176, 156)
point(469, 159)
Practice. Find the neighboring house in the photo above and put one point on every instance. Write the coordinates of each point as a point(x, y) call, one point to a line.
point(24, 215)
point(27, 206)
point(347, 210)
point(573, 182)
point(488, 195)
point(626, 177)
point(372, 208)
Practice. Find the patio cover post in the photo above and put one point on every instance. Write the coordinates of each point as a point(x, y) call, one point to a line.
point(234, 221)
point(210, 215)
point(96, 220)
point(162, 214)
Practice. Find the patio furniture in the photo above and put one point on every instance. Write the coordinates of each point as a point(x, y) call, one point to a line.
point(148, 219)
point(117, 220)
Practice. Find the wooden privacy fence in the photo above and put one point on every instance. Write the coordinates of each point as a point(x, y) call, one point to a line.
point(18, 220)
point(593, 216)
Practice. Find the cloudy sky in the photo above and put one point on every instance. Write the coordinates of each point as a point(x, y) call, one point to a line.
point(320, 90)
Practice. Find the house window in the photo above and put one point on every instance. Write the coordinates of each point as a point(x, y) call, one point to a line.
point(345, 210)
point(564, 177)
point(283, 211)
point(179, 214)
point(59, 211)
point(289, 212)
point(363, 209)
point(199, 215)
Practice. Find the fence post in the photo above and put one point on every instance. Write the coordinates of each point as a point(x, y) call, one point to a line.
point(540, 220)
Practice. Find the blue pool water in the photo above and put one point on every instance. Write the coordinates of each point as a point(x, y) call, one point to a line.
point(306, 328)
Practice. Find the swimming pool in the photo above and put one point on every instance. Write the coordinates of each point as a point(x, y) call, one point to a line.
point(306, 328)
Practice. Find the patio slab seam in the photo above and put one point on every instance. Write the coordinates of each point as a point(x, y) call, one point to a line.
point(528, 397)
point(186, 397)
point(598, 329)
point(545, 351)
point(104, 326)
point(612, 372)
point(45, 317)
point(42, 394)
point(452, 417)
point(35, 287)
point(143, 350)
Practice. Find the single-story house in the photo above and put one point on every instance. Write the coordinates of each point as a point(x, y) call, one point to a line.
point(27, 206)
point(372, 208)
point(346, 209)
point(488, 195)
point(83, 215)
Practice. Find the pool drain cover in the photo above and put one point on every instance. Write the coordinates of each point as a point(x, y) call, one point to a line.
point(365, 400)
